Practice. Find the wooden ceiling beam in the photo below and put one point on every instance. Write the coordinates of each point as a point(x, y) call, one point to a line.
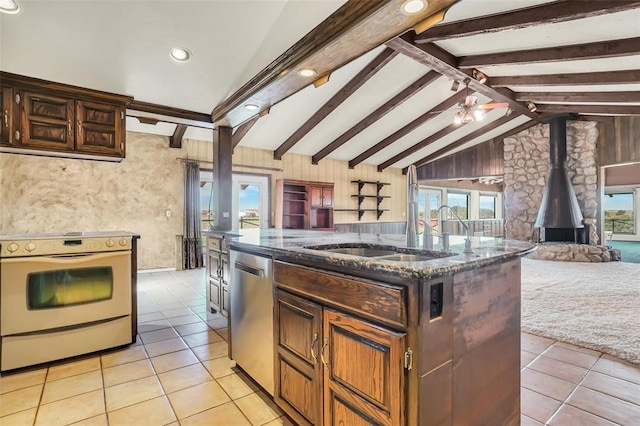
point(347, 90)
point(175, 140)
point(242, 130)
point(353, 29)
point(422, 144)
point(590, 109)
point(587, 78)
point(598, 50)
point(376, 115)
point(446, 64)
point(169, 111)
point(408, 128)
point(548, 13)
point(595, 97)
point(476, 134)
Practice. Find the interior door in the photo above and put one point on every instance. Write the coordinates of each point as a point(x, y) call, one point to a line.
point(250, 203)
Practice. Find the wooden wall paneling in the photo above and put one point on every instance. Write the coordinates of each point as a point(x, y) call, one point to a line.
point(337, 171)
point(485, 159)
point(619, 140)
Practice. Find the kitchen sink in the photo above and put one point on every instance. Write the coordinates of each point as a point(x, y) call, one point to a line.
point(356, 250)
point(381, 252)
point(403, 257)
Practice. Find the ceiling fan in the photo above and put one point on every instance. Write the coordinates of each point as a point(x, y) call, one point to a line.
point(470, 111)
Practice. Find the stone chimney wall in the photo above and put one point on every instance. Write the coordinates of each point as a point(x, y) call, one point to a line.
point(526, 167)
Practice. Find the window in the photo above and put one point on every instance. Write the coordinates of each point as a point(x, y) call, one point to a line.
point(619, 214)
point(487, 206)
point(459, 203)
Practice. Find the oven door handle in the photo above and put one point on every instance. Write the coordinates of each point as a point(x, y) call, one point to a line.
point(66, 259)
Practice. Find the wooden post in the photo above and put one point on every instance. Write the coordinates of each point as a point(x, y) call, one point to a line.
point(222, 151)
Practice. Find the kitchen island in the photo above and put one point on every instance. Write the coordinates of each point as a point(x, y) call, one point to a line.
point(369, 331)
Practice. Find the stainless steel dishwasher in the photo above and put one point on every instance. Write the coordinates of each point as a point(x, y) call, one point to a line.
point(251, 293)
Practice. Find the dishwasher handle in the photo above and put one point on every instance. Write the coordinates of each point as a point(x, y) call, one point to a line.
point(249, 269)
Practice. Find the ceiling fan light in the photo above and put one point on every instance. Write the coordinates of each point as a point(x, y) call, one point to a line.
point(457, 118)
point(9, 6)
point(478, 114)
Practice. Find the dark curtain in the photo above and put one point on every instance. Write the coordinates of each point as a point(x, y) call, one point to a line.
point(192, 241)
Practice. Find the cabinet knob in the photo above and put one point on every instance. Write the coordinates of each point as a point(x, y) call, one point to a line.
point(110, 243)
point(13, 247)
point(30, 247)
point(6, 118)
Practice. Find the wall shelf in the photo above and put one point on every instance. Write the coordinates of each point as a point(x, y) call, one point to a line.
point(361, 197)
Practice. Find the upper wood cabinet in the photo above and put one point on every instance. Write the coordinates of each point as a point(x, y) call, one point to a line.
point(321, 196)
point(6, 108)
point(46, 122)
point(57, 119)
point(100, 128)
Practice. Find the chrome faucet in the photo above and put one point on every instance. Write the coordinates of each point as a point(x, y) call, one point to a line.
point(467, 241)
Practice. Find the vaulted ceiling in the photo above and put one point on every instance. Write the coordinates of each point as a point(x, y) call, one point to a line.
point(390, 105)
point(541, 58)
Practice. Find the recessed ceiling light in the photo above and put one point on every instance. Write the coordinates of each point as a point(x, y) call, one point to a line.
point(411, 7)
point(9, 6)
point(307, 72)
point(178, 54)
point(252, 107)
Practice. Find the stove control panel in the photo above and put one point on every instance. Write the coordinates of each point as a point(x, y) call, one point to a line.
point(63, 245)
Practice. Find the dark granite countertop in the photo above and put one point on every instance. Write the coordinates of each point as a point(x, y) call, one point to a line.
point(291, 245)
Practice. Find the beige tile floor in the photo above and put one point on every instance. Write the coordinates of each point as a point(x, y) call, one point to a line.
point(178, 373)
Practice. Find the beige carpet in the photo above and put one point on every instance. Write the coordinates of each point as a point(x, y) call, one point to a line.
point(594, 305)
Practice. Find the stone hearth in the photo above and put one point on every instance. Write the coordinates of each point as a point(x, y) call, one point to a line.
point(575, 252)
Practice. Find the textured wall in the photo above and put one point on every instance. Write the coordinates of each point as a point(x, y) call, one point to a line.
point(526, 167)
point(47, 194)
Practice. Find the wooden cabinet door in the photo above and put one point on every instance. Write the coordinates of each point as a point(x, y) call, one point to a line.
point(214, 289)
point(321, 196)
point(298, 372)
point(214, 295)
point(99, 128)
point(364, 375)
point(327, 197)
point(315, 196)
point(225, 301)
point(213, 264)
point(46, 122)
point(6, 109)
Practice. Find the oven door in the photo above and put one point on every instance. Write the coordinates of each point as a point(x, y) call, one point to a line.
point(48, 292)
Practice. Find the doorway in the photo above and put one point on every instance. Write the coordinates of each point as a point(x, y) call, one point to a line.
point(250, 203)
point(428, 203)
